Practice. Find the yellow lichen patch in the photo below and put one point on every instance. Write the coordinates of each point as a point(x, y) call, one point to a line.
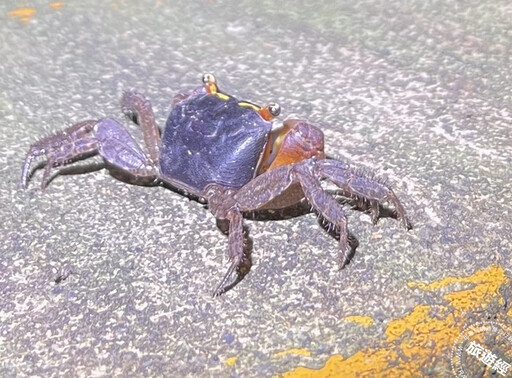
point(56, 5)
point(494, 274)
point(415, 343)
point(330, 368)
point(487, 282)
point(364, 363)
point(421, 334)
point(23, 14)
point(296, 351)
point(230, 361)
point(364, 320)
point(397, 327)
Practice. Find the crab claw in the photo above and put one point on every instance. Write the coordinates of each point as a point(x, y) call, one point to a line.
point(25, 173)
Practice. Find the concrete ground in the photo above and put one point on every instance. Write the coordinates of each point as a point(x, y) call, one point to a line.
point(101, 278)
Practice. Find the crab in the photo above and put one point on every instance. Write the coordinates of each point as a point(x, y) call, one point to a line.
point(224, 153)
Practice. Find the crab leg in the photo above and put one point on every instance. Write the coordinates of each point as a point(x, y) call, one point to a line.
point(235, 249)
point(357, 185)
point(330, 209)
point(271, 184)
point(139, 110)
point(106, 137)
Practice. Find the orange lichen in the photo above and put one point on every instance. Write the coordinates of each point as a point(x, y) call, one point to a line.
point(230, 361)
point(296, 351)
point(363, 320)
point(23, 14)
point(415, 341)
point(56, 5)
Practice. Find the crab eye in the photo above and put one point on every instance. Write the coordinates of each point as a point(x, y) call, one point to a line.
point(269, 112)
point(209, 79)
point(274, 109)
point(210, 83)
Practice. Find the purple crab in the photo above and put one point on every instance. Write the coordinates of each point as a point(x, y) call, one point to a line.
point(224, 153)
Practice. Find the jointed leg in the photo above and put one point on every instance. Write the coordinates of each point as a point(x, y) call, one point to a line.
point(362, 188)
point(331, 210)
point(235, 250)
point(139, 109)
point(273, 183)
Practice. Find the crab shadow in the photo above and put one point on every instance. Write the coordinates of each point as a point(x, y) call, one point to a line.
point(304, 208)
point(78, 169)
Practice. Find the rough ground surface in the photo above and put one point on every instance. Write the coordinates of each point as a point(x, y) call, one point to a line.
point(417, 93)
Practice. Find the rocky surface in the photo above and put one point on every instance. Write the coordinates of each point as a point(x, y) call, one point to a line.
point(98, 277)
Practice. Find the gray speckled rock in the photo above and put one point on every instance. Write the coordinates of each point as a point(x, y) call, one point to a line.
point(418, 93)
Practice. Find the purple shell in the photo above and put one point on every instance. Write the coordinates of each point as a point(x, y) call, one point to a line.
point(212, 139)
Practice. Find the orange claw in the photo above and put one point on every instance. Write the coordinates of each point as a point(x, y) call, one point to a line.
point(292, 143)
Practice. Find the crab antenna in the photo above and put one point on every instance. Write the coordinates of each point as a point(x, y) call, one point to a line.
point(269, 112)
point(210, 83)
